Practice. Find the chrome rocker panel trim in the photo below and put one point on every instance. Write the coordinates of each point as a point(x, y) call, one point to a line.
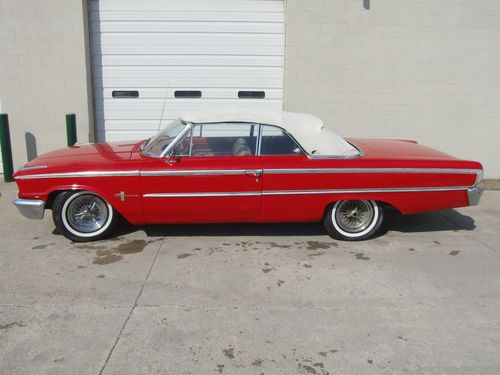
point(30, 208)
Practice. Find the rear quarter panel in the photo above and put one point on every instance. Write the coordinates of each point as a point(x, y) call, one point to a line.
point(406, 175)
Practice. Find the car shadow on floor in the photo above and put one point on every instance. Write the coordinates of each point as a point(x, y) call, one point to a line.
point(440, 221)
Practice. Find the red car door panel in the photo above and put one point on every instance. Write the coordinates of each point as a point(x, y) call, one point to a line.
point(202, 189)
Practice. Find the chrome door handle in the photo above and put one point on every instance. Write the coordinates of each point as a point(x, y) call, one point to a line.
point(254, 173)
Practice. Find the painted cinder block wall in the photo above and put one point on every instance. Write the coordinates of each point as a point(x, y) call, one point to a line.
point(43, 73)
point(424, 70)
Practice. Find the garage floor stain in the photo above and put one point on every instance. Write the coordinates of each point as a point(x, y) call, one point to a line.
point(317, 245)
point(105, 255)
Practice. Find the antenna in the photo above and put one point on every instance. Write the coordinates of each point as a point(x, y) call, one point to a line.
point(162, 111)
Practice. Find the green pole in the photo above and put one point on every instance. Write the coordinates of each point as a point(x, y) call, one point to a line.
point(71, 129)
point(8, 168)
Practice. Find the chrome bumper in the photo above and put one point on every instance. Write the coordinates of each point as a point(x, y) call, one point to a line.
point(474, 195)
point(30, 208)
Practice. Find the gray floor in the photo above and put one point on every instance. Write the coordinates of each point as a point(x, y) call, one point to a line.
point(249, 299)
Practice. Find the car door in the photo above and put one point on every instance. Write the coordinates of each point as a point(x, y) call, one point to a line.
point(282, 200)
point(212, 175)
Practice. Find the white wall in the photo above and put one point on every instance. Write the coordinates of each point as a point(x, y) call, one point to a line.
point(424, 70)
point(42, 72)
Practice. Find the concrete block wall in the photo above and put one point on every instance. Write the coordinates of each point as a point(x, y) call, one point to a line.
point(415, 69)
point(43, 73)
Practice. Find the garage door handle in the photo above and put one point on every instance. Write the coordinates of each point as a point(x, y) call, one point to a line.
point(254, 173)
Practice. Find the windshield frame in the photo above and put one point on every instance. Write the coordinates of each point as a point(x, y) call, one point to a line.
point(171, 145)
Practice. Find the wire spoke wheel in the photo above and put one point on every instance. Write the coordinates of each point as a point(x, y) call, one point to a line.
point(353, 219)
point(87, 213)
point(83, 216)
point(354, 216)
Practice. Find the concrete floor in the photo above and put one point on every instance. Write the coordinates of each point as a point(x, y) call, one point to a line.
point(250, 299)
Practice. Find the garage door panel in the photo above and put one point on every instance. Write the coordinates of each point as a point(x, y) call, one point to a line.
point(155, 47)
point(192, 50)
point(187, 27)
point(254, 83)
point(181, 72)
point(194, 16)
point(188, 5)
point(123, 135)
point(152, 111)
point(136, 125)
point(173, 39)
point(162, 93)
point(184, 60)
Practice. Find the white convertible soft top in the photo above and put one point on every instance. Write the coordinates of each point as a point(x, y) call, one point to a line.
point(308, 130)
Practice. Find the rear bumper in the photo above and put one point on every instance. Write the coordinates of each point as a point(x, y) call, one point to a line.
point(30, 208)
point(474, 195)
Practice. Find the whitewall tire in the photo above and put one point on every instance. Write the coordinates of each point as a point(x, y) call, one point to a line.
point(83, 216)
point(353, 220)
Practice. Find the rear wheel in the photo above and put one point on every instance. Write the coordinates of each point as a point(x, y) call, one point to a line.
point(83, 216)
point(353, 220)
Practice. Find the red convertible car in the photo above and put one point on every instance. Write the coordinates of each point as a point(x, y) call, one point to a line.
point(228, 166)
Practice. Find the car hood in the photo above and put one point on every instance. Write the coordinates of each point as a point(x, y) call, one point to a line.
point(90, 154)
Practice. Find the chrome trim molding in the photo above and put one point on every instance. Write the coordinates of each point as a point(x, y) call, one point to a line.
point(30, 208)
point(371, 170)
point(474, 195)
point(305, 192)
point(31, 167)
point(79, 174)
point(357, 191)
point(214, 172)
point(196, 172)
point(201, 195)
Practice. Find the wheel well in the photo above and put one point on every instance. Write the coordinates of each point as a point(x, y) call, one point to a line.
point(52, 196)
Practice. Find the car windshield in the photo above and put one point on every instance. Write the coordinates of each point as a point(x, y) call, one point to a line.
point(157, 144)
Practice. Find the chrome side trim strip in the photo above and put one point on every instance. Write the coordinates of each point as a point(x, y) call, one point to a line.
point(213, 172)
point(304, 192)
point(197, 172)
point(371, 170)
point(31, 167)
point(357, 191)
point(79, 174)
point(214, 194)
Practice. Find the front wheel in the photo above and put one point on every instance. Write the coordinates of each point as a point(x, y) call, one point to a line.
point(83, 216)
point(354, 220)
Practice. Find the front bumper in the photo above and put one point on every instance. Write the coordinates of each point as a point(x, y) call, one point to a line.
point(474, 195)
point(30, 208)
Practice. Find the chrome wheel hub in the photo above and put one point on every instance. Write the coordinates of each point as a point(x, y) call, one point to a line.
point(354, 216)
point(87, 213)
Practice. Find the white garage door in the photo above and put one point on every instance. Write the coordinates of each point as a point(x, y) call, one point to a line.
point(156, 59)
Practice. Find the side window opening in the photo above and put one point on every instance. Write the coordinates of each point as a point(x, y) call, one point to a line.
point(224, 139)
point(275, 141)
